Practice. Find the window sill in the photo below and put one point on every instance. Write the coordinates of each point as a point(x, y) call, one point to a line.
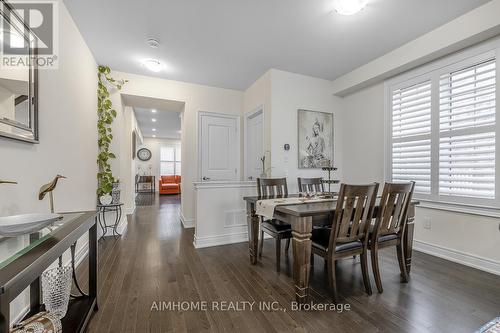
point(460, 208)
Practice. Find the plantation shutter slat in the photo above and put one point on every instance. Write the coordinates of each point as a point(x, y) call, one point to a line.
point(467, 117)
point(411, 128)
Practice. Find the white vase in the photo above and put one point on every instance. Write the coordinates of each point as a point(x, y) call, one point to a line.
point(105, 199)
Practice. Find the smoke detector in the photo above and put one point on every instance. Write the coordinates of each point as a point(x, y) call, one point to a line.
point(153, 43)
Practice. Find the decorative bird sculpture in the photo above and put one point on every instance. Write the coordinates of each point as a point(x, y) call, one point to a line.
point(7, 182)
point(48, 188)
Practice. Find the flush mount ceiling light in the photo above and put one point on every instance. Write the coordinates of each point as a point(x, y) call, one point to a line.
point(153, 43)
point(153, 111)
point(153, 65)
point(154, 129)
point(154, 136)
point(348, 7)
point(153, 120)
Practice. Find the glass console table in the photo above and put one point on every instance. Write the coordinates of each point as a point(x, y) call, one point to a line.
point(24, 258)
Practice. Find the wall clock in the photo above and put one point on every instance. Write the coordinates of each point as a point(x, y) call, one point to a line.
point(144, 154)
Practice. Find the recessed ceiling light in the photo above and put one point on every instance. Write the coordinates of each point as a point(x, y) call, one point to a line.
point(154, 129)
point(153, 65)
point(153, 120)
point(348, 7)
point(154, 136)
point(154, 110)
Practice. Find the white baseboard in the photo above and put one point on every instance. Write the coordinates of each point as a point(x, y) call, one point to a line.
point(129, 210)
point(186, 223)
point(220, 240)
point(467, 259)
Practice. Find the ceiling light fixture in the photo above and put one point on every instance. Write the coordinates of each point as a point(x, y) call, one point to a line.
point(153, 120)
point(153, 43)
point(153, 65)
point(154, 129)
point(153, 111)
point(348, 7)
point(154, 136)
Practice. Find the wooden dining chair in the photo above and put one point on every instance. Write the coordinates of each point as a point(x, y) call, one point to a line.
point(390, 225)
point(315, 184)
point(349, 233)
point(310, 184)
point(274, 188)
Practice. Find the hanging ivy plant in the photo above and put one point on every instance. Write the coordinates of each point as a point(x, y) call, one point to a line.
point(106, 115)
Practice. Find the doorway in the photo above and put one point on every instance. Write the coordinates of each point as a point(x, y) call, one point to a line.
point(254, 143)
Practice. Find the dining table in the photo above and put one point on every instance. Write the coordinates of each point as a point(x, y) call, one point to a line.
point(302, 217)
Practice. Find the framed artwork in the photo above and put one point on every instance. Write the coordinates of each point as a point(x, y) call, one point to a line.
point(315, 135)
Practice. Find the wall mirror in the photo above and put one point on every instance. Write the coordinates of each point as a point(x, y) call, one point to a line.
point(18, 79)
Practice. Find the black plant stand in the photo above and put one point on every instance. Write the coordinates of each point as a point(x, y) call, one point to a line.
point(101, 217)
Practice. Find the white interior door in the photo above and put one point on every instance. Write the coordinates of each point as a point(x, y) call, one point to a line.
point(220, 144)
point(254, 145)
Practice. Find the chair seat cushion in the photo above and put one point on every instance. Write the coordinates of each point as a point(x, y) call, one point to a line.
point(277, 226)
point(321, 238)
point(383, 238)
point(387, 237)
point(169, 185)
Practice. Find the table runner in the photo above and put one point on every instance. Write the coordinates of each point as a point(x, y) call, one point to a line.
point(266, 207)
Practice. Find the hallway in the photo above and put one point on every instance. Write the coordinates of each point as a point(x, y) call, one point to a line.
point(155, 261)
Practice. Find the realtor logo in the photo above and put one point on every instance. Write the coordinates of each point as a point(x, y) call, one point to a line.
point(29, 33)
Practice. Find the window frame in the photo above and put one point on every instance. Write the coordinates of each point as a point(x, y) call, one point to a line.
point(433, 71)
point(175, 160)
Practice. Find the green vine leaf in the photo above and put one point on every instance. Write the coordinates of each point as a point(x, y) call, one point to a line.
point(106, 114)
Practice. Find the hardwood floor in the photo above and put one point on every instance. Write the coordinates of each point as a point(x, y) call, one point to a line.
point(155, 261)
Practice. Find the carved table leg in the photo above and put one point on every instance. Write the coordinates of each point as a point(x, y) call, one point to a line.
point(408, 237)
point(253, 232)
point(301, 245)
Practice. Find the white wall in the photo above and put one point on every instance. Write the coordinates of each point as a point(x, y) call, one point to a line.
point(291, 92)
point(363, 129)
point(221, 212)
point(465, 238)
point(152, 167)
point(68, 136)
point(196, 98)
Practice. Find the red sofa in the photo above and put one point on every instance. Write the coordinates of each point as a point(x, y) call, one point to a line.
point(170, 185)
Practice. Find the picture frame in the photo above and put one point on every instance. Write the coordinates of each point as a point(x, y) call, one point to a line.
point(315, 136)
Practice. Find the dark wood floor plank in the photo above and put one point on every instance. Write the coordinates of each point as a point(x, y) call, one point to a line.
point(155, 261)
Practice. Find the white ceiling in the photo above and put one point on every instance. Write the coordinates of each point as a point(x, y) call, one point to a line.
point(167, 125)
point(230, 43)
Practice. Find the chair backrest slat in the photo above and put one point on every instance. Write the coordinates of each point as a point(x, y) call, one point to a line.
point(353, 213)
point(393, 209)
point(270, 187)
point(310, 184)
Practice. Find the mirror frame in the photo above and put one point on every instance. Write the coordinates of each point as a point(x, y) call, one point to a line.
point(7, 11)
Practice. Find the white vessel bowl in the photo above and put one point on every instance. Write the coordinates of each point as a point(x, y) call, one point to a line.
point(15, 225)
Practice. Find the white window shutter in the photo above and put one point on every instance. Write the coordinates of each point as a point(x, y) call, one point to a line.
point(467, 109)
point(411, 135)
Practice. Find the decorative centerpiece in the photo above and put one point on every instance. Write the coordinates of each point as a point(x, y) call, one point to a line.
point(49, 188)
point(329, 168)
point(56, 289)
point(42, 322)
